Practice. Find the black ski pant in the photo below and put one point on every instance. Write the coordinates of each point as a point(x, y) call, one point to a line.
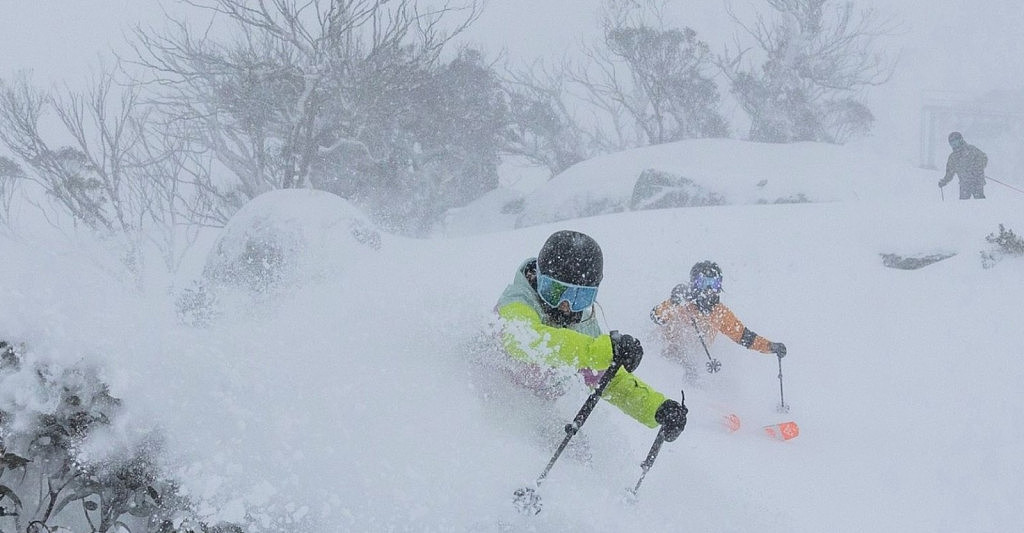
point(969, 189)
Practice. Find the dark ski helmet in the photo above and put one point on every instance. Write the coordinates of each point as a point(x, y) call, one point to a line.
point(705, 284)
point(956, 139)
point(572, 257)
point(707, 269)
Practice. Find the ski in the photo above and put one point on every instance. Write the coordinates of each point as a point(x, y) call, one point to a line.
point(782, 431)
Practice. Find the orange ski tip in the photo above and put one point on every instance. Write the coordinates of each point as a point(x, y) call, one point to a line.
point(731, 421)
point(783, 431)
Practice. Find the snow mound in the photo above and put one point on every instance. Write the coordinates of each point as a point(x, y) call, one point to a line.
point(283, 237)
point(722, 171)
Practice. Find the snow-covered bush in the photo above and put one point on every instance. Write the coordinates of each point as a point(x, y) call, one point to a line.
point(64, 464)
point(798, 198)
point(1008, 244)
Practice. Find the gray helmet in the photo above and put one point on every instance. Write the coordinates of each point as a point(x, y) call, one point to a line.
point(572, 257)
point(707, 269)
point(705, 284)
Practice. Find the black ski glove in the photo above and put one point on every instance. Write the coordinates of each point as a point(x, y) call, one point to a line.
point(678, 296)
point(672, 417)
point(778, 349)
point(626, 351)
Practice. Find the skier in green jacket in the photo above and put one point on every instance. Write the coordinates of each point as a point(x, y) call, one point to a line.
point(549, 326)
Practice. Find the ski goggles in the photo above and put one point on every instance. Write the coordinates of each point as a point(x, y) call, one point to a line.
point(555, 292)
point(704, 283)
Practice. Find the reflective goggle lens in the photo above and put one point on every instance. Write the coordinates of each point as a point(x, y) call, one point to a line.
point(555, 292)
point(704, 283)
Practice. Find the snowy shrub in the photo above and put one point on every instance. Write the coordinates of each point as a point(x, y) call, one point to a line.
point(63, 465)
point(196, 305)
point(798, 198)
point(258, 266)
point(1007, 244)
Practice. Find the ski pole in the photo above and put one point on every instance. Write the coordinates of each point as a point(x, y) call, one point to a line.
point(942, 195)
point(713, 365)
point(581, 417)
point(653, 453)
point(783, 408)
point(526, 499)
point(1004, 184)
point(649, 461)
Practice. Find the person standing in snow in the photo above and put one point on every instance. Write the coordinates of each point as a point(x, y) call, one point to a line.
point(694, 314)
point(968, 163)
point(549, 331)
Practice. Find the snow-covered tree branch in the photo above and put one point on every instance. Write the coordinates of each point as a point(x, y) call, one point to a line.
point(803, 77)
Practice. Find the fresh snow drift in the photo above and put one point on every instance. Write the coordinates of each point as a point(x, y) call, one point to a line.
point(351, 402)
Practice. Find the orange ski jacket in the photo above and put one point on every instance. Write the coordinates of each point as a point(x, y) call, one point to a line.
point(684, 324)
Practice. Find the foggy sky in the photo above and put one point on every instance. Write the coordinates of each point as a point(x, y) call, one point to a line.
point(946, 46)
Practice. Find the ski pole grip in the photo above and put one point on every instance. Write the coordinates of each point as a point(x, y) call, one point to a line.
point(614, 336)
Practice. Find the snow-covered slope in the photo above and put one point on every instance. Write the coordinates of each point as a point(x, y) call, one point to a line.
point(736, 172)
point(351, 404)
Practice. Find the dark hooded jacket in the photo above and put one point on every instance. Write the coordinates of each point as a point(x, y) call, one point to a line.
point(968, 163)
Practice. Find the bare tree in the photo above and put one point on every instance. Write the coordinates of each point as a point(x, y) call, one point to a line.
point(816, 56)
point(543, 127)
point(111, 178)
point(301, 84)
point(10, 173)
point(643, 83)
point(176, 190)
point(65, 173)
point(668, 92)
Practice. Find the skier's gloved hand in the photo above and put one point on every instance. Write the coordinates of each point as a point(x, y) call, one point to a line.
point(942, 184)
point(626, 351)
point(672, 417)
point(679, 294)
point(656, 318)
point(778, 349)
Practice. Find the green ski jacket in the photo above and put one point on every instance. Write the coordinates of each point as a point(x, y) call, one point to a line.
point(529, 337)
